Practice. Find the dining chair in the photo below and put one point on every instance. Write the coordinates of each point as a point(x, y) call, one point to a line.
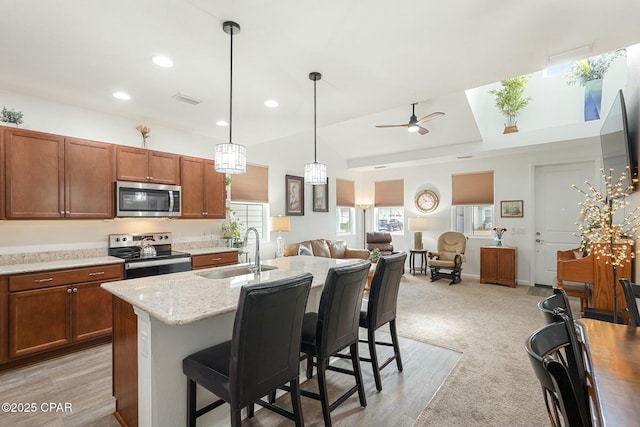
point(550, 305)
point(563, 379)
point(631, 293)
point(262, 355)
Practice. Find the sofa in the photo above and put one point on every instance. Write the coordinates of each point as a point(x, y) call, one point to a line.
point(325, 248)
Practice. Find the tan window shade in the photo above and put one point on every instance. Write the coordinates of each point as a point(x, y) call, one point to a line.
point(474, 189)
point(389, 193)
point(252, 186)
point(345, 193)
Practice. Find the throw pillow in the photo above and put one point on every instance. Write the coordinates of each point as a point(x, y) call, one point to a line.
point(303, 250)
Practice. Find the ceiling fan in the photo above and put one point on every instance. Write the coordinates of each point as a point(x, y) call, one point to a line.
point(414, 123)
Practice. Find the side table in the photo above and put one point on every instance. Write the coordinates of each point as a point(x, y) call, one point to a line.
point(423, 261)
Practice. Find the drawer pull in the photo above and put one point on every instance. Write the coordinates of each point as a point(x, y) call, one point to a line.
point(97, 273)
point(43, 280)
point(216, 259)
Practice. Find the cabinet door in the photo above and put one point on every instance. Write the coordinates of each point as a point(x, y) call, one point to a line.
point(192, 179)
point(89, 179)
point(215, 192)
point(488, 265)
point(39, 320)
point(34, 174)
point(92, 311)
point(132, 164)
point(164, 168)
point(505, 273)
point(2, 186)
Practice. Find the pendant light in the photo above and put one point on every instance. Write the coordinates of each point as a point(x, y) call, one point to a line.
point(315, 173)
point(230, 157)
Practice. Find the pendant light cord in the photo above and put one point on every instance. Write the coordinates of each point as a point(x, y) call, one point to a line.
point(314, 122)
point(231, 90)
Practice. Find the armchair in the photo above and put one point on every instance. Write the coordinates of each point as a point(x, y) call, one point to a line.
point(381, 240)
point(446, 263)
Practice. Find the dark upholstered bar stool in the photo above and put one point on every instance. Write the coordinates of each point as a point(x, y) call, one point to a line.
point(263, 353)
point(333, 328)
point(381, 309)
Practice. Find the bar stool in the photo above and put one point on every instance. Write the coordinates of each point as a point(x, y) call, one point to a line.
point(381, 309)
point(262, 355)
point(333, 328)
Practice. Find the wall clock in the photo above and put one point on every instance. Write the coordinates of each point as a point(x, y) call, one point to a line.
point(426, 201)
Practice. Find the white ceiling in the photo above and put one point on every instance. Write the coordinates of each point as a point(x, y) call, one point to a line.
point(376, 56)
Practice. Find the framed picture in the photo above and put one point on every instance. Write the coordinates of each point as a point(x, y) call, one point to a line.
point(511, 209)
point(321, 197)
point(294, 194)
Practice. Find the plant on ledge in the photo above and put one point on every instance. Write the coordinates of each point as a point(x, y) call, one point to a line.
point(510, 100)
point(11, 116)
point(231, 232)
point(375, 255)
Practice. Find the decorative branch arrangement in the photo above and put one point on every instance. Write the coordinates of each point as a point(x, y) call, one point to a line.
point(601, 228)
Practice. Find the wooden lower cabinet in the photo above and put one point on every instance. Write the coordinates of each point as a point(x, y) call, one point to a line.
point(55, 312)
point(498, 265)
point(125, 362)
point(217, 259)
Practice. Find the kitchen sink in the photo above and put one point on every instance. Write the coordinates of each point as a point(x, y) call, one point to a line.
point(240, 270)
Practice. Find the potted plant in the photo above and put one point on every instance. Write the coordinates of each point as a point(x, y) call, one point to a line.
point(231, 231)
point(510, 100)
point(375, 255)
point(589, 73)
point(11, 116)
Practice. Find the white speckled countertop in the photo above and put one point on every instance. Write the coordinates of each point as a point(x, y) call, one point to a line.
point(181, 298)
point(32, 267)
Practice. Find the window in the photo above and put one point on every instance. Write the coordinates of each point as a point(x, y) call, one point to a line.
point(390, 219)
point(250, 215)
point(345, 207)
point(389, 206)
point(473, 220)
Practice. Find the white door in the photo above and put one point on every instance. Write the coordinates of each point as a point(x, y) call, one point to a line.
point(556, 213)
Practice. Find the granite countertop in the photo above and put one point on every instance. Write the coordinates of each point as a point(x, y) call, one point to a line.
point(208, 250)
point(32, 267)
point(181, 298)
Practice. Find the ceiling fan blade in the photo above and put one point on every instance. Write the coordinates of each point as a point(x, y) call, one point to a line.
point(393, 126)
point(422, 131)
point(430, 117)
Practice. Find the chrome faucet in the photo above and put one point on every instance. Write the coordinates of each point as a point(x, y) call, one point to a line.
point(256, 269)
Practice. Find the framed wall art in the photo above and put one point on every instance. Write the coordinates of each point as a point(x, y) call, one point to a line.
point(511, 209)
point(321, 197)
point(294, 190)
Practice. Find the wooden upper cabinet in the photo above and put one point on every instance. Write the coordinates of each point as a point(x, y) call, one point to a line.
point(2, 168)
point(89, 179)
point(141, 165)
point(52, 177)
point(34, 174)
point(203, 190)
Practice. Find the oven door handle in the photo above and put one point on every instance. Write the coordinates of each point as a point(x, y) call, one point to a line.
point(156, 262)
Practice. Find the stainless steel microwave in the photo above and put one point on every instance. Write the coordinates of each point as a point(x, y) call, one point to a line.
point(142, 199)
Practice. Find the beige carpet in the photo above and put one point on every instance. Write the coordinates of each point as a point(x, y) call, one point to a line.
point(493, 384)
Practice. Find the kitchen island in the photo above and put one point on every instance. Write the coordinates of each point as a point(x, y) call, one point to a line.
point(160, 320)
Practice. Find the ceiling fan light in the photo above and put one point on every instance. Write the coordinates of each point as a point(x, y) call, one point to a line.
point(315, 173)
point(230, 158)
point(413, 128)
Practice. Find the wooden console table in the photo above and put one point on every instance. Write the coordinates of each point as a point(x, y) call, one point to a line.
point(498, 265)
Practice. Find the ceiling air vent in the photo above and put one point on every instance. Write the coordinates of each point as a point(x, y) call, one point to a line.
point(187, 99)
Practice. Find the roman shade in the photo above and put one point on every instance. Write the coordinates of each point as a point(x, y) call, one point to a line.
point(389, 193)
point(475, 189)
point(345, 193)
point(252, 186)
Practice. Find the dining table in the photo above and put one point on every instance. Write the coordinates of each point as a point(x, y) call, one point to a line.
point(615, 356)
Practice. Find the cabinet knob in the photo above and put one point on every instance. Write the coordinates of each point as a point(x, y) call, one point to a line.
point(61, 212)
point(75, 289)
point(150, 177)
point(69, 290)
point(68, 212)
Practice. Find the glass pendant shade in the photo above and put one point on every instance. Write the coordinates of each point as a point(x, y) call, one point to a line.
point(315, 173)
point(230, 158)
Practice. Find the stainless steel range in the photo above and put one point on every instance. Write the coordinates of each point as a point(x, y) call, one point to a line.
point(148, 254)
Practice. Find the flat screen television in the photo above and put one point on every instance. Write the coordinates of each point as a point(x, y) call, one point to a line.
point(617, 149)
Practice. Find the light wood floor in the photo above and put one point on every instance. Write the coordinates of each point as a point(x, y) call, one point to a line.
point(84, 380)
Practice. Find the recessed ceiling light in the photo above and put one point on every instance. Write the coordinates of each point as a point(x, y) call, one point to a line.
point(222, 123)
point(122, 95)
point(271, 103)
point(162, 61)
